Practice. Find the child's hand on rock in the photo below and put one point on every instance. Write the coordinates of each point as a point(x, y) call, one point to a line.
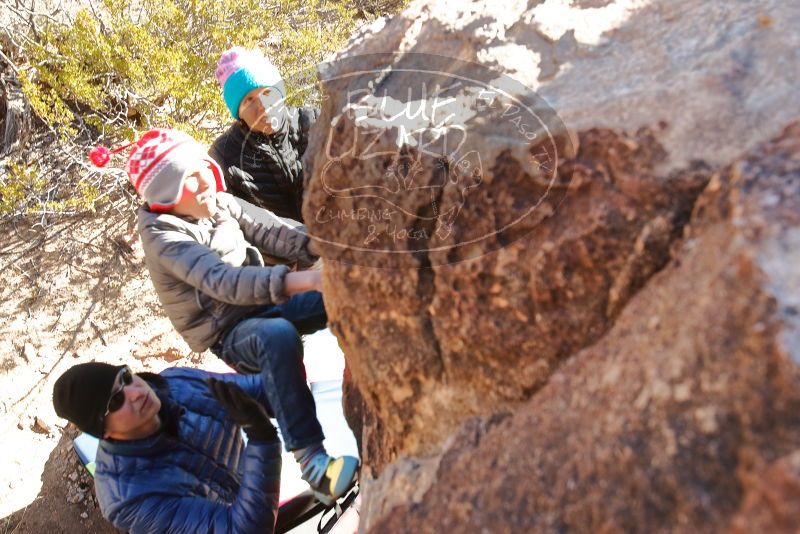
point(299, 282)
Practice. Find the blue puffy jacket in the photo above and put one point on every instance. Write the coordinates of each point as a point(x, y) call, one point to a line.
point(202, 480)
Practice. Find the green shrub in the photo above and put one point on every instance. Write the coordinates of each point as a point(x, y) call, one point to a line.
point(153, 64)
point(23, 190)
point(18, 184)
point(128, 67)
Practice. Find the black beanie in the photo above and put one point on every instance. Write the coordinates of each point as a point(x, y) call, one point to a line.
point(81, 394)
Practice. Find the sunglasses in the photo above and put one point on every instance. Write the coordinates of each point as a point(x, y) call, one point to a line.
point(117, 398)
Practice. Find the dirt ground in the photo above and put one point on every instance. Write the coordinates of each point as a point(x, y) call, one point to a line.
point(75, 292)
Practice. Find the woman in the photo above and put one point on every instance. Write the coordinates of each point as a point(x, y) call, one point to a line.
point(260, 154)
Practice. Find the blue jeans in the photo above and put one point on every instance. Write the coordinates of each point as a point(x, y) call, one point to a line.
point(268, 343)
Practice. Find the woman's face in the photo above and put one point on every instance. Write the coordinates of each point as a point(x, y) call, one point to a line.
point(262, 109)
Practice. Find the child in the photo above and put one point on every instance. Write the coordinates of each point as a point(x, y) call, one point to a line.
point(260, 153)
point(204, 257)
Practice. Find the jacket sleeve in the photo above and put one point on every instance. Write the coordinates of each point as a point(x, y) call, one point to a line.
point(239, 182)
point(217, 152)
point(243, 185)
point(306, 119)
point(197, 265)
point(254, 510)
point(280, 240)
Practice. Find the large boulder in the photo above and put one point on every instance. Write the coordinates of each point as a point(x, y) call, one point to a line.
point(685, 416)
point(492, 189)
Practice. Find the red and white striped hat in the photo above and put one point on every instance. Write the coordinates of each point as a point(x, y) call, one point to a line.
point(159, 163)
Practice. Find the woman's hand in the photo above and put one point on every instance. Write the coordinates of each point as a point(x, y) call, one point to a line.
point(301, 281)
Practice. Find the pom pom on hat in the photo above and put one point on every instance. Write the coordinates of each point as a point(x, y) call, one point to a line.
point(100, 156)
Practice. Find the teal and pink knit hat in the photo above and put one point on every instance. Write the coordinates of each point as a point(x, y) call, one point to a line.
point(240, 70)
point(159, 163)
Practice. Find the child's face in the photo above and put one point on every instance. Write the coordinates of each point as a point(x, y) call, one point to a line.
point(261, 109)
point(199, 197)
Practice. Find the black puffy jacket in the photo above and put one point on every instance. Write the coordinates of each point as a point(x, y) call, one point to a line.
point(265, 170)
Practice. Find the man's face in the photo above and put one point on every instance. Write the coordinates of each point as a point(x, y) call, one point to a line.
point(261, 109)
point(137, 418)
point(199, 195)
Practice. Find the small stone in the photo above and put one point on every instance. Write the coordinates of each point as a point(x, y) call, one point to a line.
point(41, 425)
point(73, 476)
point(84, 515)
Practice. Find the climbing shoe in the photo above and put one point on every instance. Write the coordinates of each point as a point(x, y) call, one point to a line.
point(328, 477)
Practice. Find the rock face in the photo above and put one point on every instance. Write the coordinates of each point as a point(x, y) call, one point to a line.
point(576, 312)
point(686, 414)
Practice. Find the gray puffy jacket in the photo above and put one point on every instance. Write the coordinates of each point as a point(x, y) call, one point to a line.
point(209, 273)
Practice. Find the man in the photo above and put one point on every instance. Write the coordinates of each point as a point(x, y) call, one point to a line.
point(171, 456)
point(260, 152)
